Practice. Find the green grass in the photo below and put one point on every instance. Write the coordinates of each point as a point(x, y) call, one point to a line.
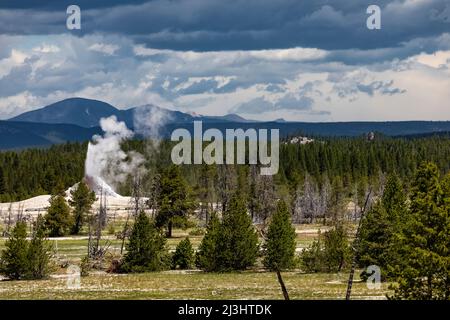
point(76, 248)
point(182, 285)
point(191, 285)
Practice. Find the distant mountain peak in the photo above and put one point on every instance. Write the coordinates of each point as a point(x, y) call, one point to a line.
point(79, 111)
point(88, 112)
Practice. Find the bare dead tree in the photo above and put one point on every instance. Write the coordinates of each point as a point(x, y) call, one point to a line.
point(137, 205)
point(353, 214)
point(267, 198)
point(307, 201)
point(155, 190)
point(282, 285)
point(97, 222)
point(226, 184)
point(124, 232)
point(136, 196)
point(8, 226)
point(355, 246)
point(325, 197)
point(206, 192)
point(20, 216)
point(262, 196)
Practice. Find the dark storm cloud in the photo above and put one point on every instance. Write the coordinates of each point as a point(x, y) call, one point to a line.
point(205, 25)
point(54, 5)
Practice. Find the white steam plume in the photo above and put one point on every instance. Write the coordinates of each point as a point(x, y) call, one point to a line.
point(148, 121)
point(106, 159)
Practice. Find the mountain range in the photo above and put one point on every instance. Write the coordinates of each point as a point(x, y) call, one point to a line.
point(87, 113)
point(77, 119)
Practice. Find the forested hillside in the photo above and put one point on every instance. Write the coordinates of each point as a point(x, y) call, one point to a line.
point(32, 172)
point(348, 165)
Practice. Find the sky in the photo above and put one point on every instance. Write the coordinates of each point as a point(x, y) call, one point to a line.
point(262, 59)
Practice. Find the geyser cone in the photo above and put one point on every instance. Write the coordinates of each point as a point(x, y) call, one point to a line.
point(99, 186)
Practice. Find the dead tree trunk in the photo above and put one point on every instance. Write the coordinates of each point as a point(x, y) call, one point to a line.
point(8, 228)
point(283, 287)
point(136, 208)
point(124, 233)
point(355, 246)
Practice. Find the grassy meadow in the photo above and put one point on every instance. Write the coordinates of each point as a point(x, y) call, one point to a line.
point(176, 284)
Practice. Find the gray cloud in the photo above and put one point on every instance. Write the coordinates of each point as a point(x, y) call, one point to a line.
point(287, 102)
point(37, 70)
point(241, 24)
point(255, 106)
point(384, 88)
point(290, 101)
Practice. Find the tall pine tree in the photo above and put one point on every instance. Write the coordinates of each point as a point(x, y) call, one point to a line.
point(206, 256)
point(58, 220)
point(424, 272)
point(146, 250)
point(237, 246)
point(280, 245)
point(81, 202)
point(378, 243)
point(39, 252)
point(174, 199)
point(14, 262)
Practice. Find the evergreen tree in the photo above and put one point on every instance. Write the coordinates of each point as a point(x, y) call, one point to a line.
point(378, 241)
point(280, 244)
point(81, 202)
point(174, 199)
point(14, 262)
point(58, 220)
point(39, 252)
point(146, 250)
point(2, 182)
point(446, 203)
point(312, 258)
point(336, 248)
point(183, 257)
point(330, 253)
point(237, 246)
point(206, 256)
point(425, 237)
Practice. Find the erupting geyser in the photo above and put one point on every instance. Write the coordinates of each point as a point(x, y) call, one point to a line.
point(107, 165)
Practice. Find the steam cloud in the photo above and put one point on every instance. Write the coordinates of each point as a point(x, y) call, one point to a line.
point(148, 121)
point(105, 158)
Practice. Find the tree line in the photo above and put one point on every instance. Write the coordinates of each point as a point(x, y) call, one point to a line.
point(351, 164)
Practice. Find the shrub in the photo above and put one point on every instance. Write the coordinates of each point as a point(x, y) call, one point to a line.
point(24, 259)
point(330, 253)
point(197, 231)
point(183, 257)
